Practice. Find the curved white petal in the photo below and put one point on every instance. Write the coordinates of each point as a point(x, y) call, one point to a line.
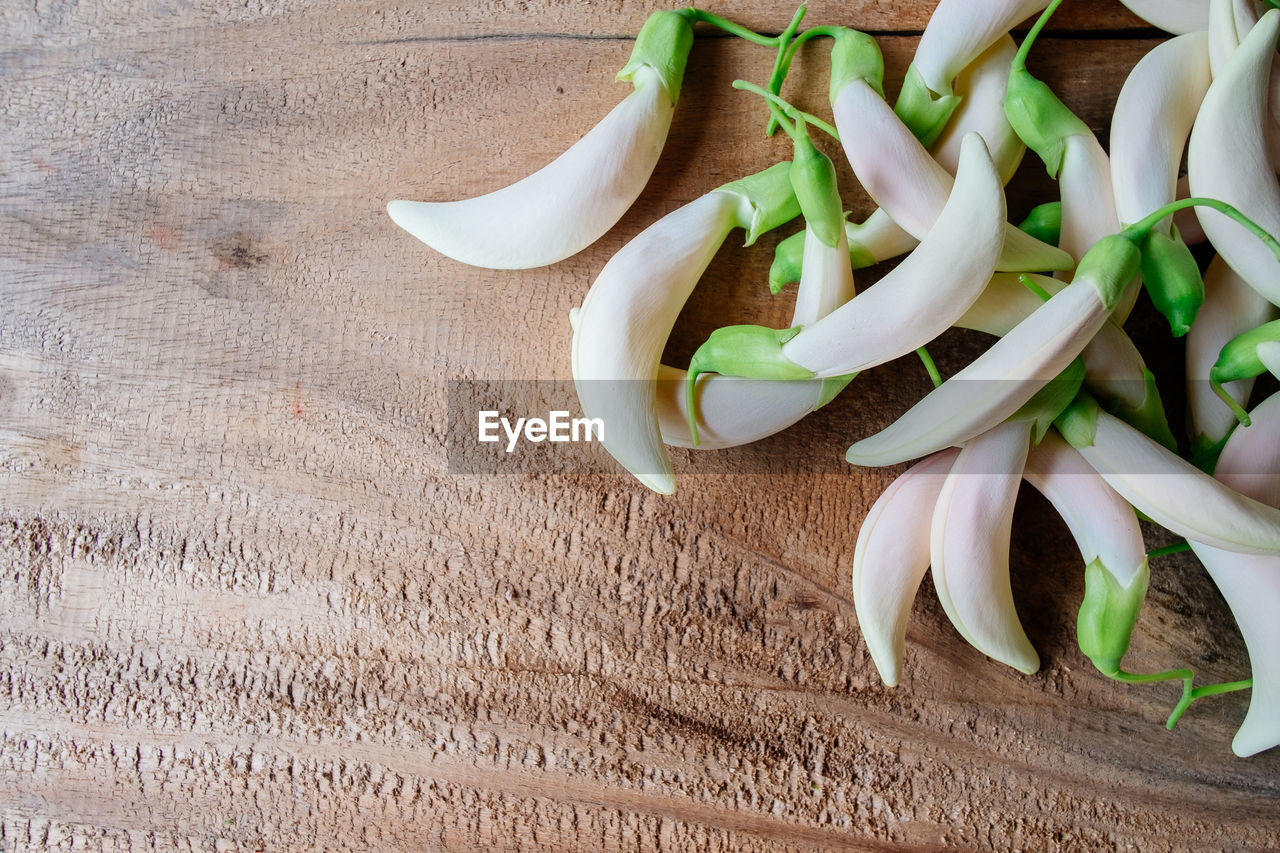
point(1230, 307)
point(1250, 464)
point(1172, 16)
point(924, 294)
point(880, 237)
point(1153, 117)
point(1250, 583)
point(994, 385)
point(1227, 158)
point(826, 279)
point(960, 30)
point(890, 163)
point(1222, 33)
point(981, 87)
point(1250, 461)
point(891, 558)
point(624, 323)
point(969, 545)
point(733, 411)
point(1088, 198)
point(1176, 494)
point(563, 207)
point(1103, 524)
point(908, 184)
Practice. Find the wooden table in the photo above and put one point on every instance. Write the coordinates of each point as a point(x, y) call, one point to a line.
point(245, 603)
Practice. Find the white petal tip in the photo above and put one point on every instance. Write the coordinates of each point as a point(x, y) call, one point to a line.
point(663, 484)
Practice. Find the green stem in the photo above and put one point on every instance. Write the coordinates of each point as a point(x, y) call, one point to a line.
point(793, 112)
point(1177, 548)
point(1139, 229)
point(1190, 695)
point(782, 62)
point(1236, 409)
point(1042, 294)
point(791, 49)
point(703, 16)
point(932, 369)
point(1020, 59)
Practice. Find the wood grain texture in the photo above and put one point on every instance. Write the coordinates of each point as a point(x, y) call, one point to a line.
point(245, 604)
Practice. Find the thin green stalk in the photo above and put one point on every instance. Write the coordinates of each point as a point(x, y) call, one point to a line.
point(932, 369)
point(1176, 548)
point(1020, 59)
point(779, 69)
point(703, 16)
point(788, 109)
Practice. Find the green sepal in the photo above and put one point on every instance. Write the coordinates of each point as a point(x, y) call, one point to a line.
point(923, 111)
point(1050, 401)
point(1108, 614)
point(1078, 422)
point(833, 385)
point(1149, 417)
point(754, 352)
point(1239, 358)
point(663, 45)
point(1044, 222)
point(788, 257)
point(1205, 452)
point(768, 200)
point(1040, 118)
point(1111, 263)
point(813, 177)
point(1172, 278)
point(855, 56)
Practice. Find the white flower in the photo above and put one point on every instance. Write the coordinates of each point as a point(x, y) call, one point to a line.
point(891, 557)
point(627, 315)
point(1250, 463)
point(1153, 116)
point(567, 205)
point(969, 545)
point(1227, 158)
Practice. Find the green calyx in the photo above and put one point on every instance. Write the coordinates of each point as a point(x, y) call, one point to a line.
point(1205, 451)
point(767, 200)
point(1050, 401)
point(663, 45)
point(1110, 265)
point(1108, 614)
point(788, 257)
point(1239, 360)
point(855, 56)
point(1149, 417)
point(813, 177)
point(1044, 222)
point(1172, 278)
point(1037, 115)
point(754, 352)
point(922, 110)
point(1078, 422)
point(832, 386)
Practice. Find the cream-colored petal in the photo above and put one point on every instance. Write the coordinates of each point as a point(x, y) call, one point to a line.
point(826, 279)
point(982, 86)
point(969, 542)
point(891, 558)
point(1172, 16)
point(624, 323)
point(731, 410)
point(563, 207)
point(1103, 524)
point(1250, 461)
point(1227, 158)
point(1152, 120)
point(960, 30)
point(1177, 495)
point(924, 294)
point(994, 385)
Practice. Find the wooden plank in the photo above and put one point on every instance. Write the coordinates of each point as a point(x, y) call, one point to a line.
point(246, 604)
